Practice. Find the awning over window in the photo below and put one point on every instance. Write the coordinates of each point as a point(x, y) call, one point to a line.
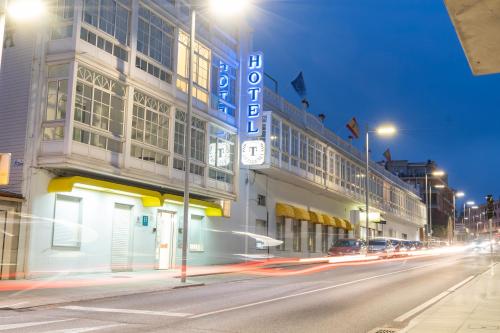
point(66, 184)
point(211, 208)
point(301, 214)
point(328, 220)
point(348, 225)
point(284, 210)
point(316, 217)
point(149, 198)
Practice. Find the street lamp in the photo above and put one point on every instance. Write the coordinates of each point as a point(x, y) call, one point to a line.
point(18, 10)
point(435, 173)
point(459, 194)
point(385, 130)
point(225, 7)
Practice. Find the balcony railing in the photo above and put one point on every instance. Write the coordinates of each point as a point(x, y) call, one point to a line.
point(316, 127)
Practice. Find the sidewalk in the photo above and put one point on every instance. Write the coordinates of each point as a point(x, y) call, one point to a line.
point(473, 308)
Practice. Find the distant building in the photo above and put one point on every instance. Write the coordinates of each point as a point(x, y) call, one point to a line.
point(476, 220)
point(440, 199)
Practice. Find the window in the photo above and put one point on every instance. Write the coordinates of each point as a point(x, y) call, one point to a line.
point(62, 23)
point(261, 200)
point(99, 107)
point(196, 234)
point(153, 70)
point(201, 63)
point(311, 237)
point(303, 151)
point(57, 98)
point(150, 121)
point(311, 155)
point(155, 37)
point(110, 16)
point(296, 235)
point(198, 129)
point(223, 87)
point(103, 44)
point(67, 222)
point(295, 148)
point(285, 142)
point(221, 154)
point(280, 232)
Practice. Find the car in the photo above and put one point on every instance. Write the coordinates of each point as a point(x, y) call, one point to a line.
point(382, 246)
point(348, 246)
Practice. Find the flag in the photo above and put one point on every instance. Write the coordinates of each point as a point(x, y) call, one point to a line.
point(353, 127)
point(387, 155)
point(300, 85)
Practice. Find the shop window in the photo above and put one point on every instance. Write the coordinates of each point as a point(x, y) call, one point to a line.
point(296, 235)
point(67, 222)
point(196, 234)
point(311, 237)
point(280, 232)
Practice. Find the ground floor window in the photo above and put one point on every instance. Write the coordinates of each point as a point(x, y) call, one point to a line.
point(324, 238)
point(311, 237)
point(260, 229)
point(67, 222)
point(296, 233)
point(280, 232)
point(196, 233)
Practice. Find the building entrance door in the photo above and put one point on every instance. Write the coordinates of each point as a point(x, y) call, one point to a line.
point(120, 238)
point(165, 224)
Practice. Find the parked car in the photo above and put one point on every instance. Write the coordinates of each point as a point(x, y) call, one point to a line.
point(381, 246)
point(347, 247)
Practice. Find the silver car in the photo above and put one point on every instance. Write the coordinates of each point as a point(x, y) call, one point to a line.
point(381, 246)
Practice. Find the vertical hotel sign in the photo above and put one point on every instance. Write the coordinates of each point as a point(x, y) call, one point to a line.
point(253, 149)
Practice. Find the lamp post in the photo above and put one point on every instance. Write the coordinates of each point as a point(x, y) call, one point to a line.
point(428, 197)
point(386, 130)
point(18, 10)
point(222, 7)
point(459, 194)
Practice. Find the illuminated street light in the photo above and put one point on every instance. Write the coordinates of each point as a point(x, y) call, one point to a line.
point(439, 186)
point(438, 173)
point(470, 203)
point(460, 194)
point(428, 191)
point(385, 130)
point(228, 7)
point(25, 10)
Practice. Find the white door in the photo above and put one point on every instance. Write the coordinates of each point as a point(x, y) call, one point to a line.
point(165, 223)
point(120, 239)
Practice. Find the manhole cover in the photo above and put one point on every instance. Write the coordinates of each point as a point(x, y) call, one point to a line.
point(384, 330)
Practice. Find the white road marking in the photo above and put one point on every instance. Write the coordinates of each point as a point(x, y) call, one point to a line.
point(85, 329)
point(30, 324)
point(129, 311)
point(433, 300)
point(306, 292)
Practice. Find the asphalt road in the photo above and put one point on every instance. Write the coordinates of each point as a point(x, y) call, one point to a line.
point(350, 298)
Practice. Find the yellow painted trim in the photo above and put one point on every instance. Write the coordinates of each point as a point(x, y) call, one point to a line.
point(284, 210)
point(316, 217)
point(328, 220)
point(348, 225)
point(66, 184)
point(301, 214)
point(211, 208)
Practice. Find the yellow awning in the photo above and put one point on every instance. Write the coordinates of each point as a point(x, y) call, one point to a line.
point(348, 225)
point(328, 220)
point(338, 222)
point(316, 217)
point(211, 208)
point(284, 210)
point(65, 184)
point(301, 214)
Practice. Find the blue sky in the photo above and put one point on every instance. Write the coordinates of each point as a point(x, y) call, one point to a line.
point(389, 60)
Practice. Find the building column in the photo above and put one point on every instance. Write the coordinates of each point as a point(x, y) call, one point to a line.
point(319, 238)
point(304, 233)
point(331, 230)
point(288, 235)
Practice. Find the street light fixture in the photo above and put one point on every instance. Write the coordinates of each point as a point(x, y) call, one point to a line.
point(428, 197)
point(459, 194)
point(384, 130)
point(221, 7)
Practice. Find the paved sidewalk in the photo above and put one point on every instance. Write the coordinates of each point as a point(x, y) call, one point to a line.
point(473, 308)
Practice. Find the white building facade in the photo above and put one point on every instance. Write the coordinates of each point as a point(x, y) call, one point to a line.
point(309, 190)
point(94, 113)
